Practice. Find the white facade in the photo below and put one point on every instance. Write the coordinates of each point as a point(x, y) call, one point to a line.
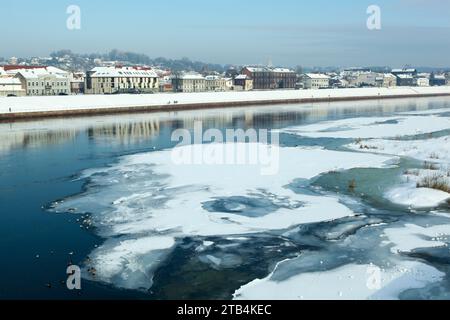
point(316, 81)
point(108, 80)
point(44, 81)
point(10, 86)
point(422, 82)
point(389, 80)
point(189, 83)
point(216, 83)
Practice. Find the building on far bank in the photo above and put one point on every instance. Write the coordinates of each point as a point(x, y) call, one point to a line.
point(216, 83)
point(165, 83)
point(111, 80)
point(388, 80)
point(366, 79)
point(229, 83)
point(243, 82)
point(13, 61)
point(77, 82)
point(409, 71)
point(189, 82)
point(316, 81)
point(267, 78)
point(11, 86)
point(405, 80)
point(405, 77)
point(41, 80)
point(422, 82)
point(438, 80)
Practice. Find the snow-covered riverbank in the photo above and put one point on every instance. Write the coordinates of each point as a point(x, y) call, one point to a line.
point(19, 107)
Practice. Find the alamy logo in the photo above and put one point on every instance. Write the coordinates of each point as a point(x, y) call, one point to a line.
point(374, 20)
point(74, 20)
point(74, 280)
point(232, 147)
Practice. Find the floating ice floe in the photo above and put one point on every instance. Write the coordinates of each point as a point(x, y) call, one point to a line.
point(130, 264)
point(146, 198)
point(411, 237)
point(434, 149)
point(417, 198)
point(377, 127)
point(350, 282)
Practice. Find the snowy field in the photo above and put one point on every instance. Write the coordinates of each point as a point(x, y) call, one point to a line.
point(86, 102)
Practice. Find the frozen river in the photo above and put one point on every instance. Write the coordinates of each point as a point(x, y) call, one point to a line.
point(358, 207)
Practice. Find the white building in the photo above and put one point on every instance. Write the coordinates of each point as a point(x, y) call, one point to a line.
point(389, 80)
point(229, 83)
point(422, 82)
point(190, 82)
point(216, 83)
point(77, 80)
point(109, 80)
point(44, 81)
point(10, 86)
point(316, 81)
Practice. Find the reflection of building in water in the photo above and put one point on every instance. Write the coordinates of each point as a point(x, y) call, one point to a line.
point(127, 131)
point(35, 139)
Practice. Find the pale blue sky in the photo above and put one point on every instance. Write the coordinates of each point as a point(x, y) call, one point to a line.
point(289, 32)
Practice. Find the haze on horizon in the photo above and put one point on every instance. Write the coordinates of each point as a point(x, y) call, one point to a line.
point(288, 32)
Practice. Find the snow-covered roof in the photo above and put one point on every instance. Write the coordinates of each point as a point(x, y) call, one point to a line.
point(37, 73)
point(405, 76)
point(9, 81)
point(191, 76)
point(242, 77)
point(439, 76)
point(114, 72)
point(285, 70)
point(317, 76)
point(211, 78)
point(55, 70)
point(268, 69)
point(424, 75)
point(410, 70)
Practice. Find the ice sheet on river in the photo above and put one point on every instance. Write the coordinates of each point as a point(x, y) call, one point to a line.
point(144, 197)
point(349, 282)
point(412, 237)
point(377, 127)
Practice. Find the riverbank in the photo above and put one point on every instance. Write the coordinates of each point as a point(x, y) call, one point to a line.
point(42, 106)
